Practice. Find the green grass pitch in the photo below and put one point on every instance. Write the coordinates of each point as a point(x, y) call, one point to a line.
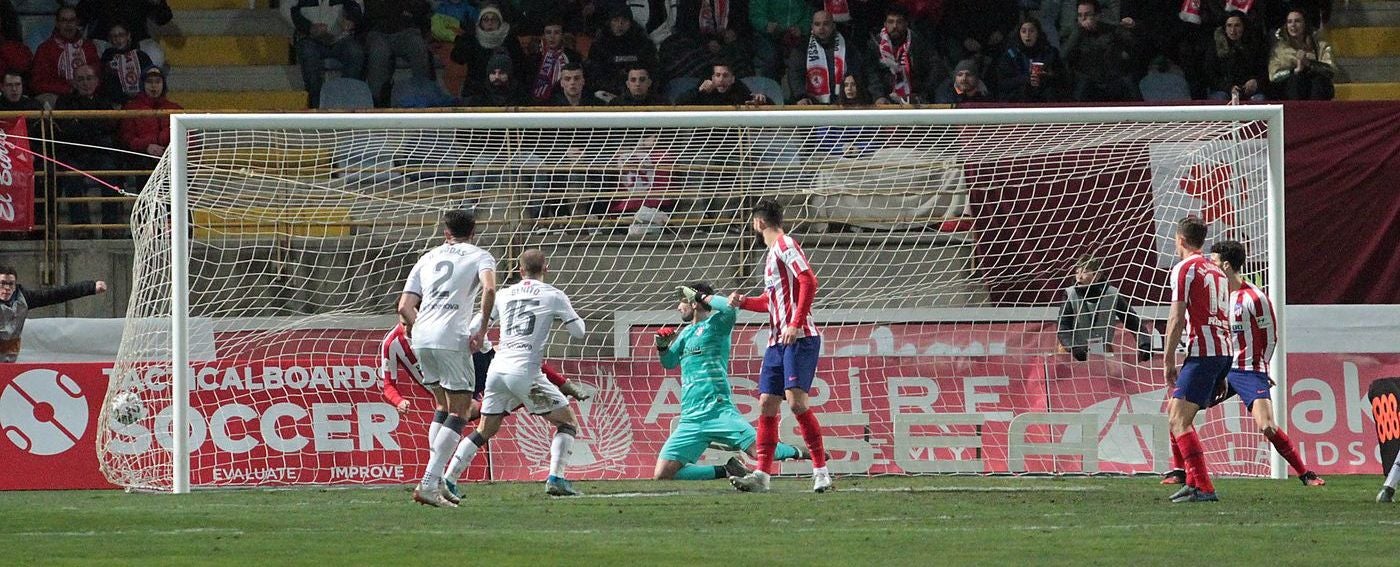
point(868, 521)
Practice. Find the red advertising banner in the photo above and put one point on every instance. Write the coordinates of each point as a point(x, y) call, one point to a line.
point(254, 423)
point(319, 422)
point(16, 177)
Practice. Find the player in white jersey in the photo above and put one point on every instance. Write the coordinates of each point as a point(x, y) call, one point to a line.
point(527, 312)
point(1254, 334)
point(435, 309)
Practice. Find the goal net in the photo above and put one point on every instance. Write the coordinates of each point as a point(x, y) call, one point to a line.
point(943, 241)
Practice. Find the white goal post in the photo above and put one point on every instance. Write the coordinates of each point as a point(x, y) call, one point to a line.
point(1177, 159)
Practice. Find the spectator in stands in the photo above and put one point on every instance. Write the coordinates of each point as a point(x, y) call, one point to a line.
point(1301, 67)
point(501, 88)
point(396, 30)
point(1098, 54)
point(492, 35)
point(964, 86)
point(14, 54)
point(908, 68)
point(1086, 316)
point(655, 18)
point(852, 93)
point(709, 31)
point(640, 91)
point(579, 16)
point(16, 301)
point(328, 29)
point(1060, 18)
point(1238, 63)
point(148, 134)
point(448, 17)
point(573, 89)
point(122, 63)
point(976, 29)
point(617, 47)
point(828, 60)
point(779, 26)
point(1029, 69)
point(135, 15)
point(58, 58)
point(721, 89)
point(14, 97)
point(545, 66)
point(1164, 82)
point(92, 135)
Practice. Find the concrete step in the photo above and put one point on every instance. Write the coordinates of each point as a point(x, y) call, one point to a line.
point(1365, 42)
point(240, 100)
point(1368, 91)
point(226, 50)
point(1371, 69)
point(225, 22)
point(240, 78)
point(1366, 14)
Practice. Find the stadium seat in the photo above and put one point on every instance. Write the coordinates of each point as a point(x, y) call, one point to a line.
point(345, 94)
point(767, 87)
point(679, 86)
point(419, 93)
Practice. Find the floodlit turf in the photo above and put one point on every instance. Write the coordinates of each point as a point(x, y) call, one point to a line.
point(882, 521)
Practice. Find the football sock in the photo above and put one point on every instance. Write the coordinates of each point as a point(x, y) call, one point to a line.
point(559, 451)
point(1285, 449)
point(466, 451)
point(1177, 463)
point(767, 441)
point(439, 416)
point(1393, 479)
point(812, 434)
point(446, 440)
point(783, 451)
point(700, 472)
point(1195, 456)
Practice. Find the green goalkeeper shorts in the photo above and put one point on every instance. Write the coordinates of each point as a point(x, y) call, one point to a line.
point(691, 438)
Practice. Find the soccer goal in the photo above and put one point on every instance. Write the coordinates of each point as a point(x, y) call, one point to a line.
point(270, 250)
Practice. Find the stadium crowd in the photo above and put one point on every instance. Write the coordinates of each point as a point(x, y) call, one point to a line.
point(648, 52)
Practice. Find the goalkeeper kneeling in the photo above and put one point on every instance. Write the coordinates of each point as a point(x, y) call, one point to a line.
point(708, 417)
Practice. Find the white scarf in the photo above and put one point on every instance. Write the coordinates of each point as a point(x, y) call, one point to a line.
point(821, 79)
point(896, 59)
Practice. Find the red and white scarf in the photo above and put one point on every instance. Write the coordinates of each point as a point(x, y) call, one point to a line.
point(551, 66)
point(714, 16)
point(1191, 9)
point(840, 10)
point(896, 59)
point(821, 78)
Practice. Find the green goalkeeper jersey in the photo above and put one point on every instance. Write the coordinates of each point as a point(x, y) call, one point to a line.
point(702, 352)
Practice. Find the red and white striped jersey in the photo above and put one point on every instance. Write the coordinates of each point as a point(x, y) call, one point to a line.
point(785, 263)
point(1206, 292)
point(397, 356)
point(1252, 324)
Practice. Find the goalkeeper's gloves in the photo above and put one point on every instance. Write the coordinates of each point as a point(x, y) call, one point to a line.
point(688, 294)
point(664, 338)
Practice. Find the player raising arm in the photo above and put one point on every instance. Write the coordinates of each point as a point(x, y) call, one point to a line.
point(434, 310)
point(1254, 333)
point(527, 311)
point(1200, 295)
point(790, 364)
point(708, 416)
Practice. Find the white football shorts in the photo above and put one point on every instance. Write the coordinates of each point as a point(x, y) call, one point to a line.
point(450, 369)
point(504, 392)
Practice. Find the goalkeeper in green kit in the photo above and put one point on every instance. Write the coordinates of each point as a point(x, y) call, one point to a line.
point(708, 416)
